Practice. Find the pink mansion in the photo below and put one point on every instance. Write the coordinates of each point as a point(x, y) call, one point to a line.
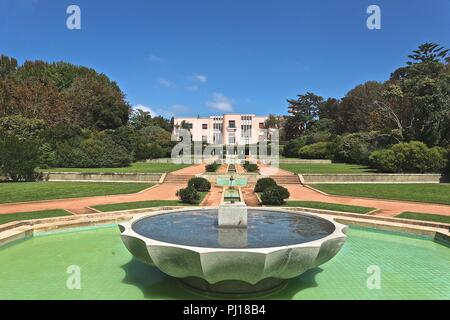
point(227, 129)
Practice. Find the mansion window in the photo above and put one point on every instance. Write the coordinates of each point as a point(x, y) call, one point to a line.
point(231, 139)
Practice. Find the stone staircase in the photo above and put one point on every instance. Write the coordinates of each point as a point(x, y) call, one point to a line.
point(286, 179)
point(178, 178)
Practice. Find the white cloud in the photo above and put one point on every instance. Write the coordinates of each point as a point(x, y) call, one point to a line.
point(220, 102)
point(200, 78)
point(146, 109)
point(165, 82)
point(155, 59)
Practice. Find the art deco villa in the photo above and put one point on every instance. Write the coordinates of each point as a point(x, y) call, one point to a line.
point(236, 129)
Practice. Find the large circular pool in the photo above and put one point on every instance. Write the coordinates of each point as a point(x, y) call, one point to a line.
point(265, 229)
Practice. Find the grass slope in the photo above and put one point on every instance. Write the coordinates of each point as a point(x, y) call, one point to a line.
point(33, 191)
point(137, 167)
point(430, 193)
point(144, 204)
point(424, 217)
point(325, 168)
point(5, 218)
point(328, 206)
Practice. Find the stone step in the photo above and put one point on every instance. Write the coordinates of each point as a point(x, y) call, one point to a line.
point(291, 179)
point(15, 234)
point(177, 178)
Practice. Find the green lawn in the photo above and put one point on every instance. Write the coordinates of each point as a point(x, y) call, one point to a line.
point(424, 217)
point(144, 204)
point(431, 193)
point(325, 168)
point(32, 191)
point(5, 218)
point(137, 167)
point(328, 206)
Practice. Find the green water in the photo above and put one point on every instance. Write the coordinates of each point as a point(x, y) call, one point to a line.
point(237, 182)
point(411, 268)
point(232, 194)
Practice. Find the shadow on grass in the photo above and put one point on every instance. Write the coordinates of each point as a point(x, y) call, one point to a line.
point(156, 285)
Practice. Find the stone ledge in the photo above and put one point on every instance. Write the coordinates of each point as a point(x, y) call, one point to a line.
point(313, 178)
point(103, 177)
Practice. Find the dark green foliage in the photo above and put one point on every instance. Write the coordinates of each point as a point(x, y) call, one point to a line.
point(200, 184)
point(412, 157)
point(447, 170)
point(8, 66)
point(275, 195)
point(18, 158)
point(22, 128)
point(292, 148)
point(319, 150)
point(212, 167)
point(356, 147)
point(305, 110)
point(264, 183)
point(48, 157)
point(20, 139)
point(188, 195)
point(250, 167)
point(92, 153)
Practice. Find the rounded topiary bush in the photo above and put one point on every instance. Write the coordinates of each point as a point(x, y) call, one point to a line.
point(188, 195)
point(212, 167)
point(200, 184)
point(264, 183)
point(250, 167)
point(275, 195)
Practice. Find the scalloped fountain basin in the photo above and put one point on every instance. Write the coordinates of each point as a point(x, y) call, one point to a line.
point(277, 245)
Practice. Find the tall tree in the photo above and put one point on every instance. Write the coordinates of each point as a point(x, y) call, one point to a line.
point(304, 110)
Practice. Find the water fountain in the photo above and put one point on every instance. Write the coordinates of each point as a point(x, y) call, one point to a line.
point(233, 249)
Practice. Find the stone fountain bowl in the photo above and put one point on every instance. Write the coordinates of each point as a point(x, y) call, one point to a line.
point(229, 260)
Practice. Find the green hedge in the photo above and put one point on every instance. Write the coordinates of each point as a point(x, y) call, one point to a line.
point(189, 195)
point(200, 184)
point(212, 167)
point(275, 195)
point(250, 167)
point(264, 183)
point(319, 150)
point(412, 157)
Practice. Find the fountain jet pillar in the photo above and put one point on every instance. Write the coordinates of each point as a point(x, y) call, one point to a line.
point(233, 215)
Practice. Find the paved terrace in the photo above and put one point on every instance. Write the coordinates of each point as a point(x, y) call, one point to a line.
point(388, 208)
point(166, 191)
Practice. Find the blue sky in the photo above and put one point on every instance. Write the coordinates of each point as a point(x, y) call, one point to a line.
point(203, 57)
